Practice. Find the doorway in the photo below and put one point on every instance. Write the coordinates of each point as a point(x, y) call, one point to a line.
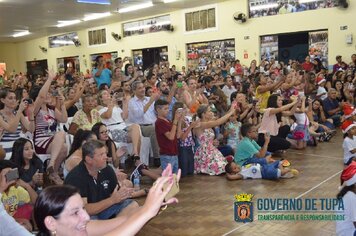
point(293, 46)
point(65, 62)
point(146, 57)
point(36, 68)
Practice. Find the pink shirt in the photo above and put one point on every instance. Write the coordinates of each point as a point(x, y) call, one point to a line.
point(269, 123)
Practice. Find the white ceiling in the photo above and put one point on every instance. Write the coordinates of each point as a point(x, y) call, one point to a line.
point(40, 16)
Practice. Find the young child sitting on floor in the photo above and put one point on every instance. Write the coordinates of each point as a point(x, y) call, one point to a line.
point(249, 151)
point(271, 171)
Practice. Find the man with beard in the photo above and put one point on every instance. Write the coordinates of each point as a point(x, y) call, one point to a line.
point(168, 95)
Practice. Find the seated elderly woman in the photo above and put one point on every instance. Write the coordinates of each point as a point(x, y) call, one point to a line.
point(87, 117)
point(113, 117)
point(59, 210)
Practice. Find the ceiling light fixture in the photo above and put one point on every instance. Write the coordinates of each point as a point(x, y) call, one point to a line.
point(136, 7)
point(169, 1)
point(148, 26)
point(100, 2)
point(95, 16)
point(62, 42)
point(21, 33)
point(265, 6)
point(307, 1)
point(63, 23)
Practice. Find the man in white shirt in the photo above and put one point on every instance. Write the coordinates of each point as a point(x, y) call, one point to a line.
point(228, 88)
point(141, 111)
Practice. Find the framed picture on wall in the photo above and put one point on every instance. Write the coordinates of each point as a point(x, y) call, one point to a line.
point(200, 54)
point(318, 46)
point(260, 8)
point(62, 40)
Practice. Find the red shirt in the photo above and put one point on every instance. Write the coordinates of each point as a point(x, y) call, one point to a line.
point(166, 146)
point(307, 66)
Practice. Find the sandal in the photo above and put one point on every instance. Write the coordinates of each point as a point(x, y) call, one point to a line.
point(285, 163)
point(53, 176)
point(134, 157)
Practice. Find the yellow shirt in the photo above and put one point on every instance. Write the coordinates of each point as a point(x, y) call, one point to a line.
point(262, 98)
point(15, 197)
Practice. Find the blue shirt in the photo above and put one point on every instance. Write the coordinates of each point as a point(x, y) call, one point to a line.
point(104, 78)
point(329, 105)
point(245, 150)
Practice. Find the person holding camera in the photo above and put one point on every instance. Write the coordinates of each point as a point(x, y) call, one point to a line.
point(271, 123)
point(101, 74)
point(8, 225)
point(114, 118)
point(47, 116)
point(19, 197)
point(12, 121)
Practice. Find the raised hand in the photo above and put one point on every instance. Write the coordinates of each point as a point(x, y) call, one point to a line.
point(156, 195)
point(51, 74)
point(23, 106)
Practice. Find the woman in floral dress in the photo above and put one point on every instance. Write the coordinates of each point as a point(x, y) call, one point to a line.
point(208, 159)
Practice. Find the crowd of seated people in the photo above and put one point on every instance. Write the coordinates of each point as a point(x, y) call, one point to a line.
point(195, 121)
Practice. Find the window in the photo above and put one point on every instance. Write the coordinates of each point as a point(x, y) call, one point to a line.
point(200, 19)
point(97, 37)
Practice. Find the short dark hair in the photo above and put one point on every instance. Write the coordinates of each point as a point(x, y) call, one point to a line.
point(208, 79)
point(98, 58)
point(117, 59)
point(51, 202)
point(88, 148)
point(159, 103)
point(102, 86)
point(228, 168)
point(245, 128)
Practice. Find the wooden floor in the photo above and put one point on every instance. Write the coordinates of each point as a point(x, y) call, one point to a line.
point(206, 202)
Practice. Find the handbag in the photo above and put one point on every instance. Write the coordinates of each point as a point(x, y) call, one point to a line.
point(299, 134)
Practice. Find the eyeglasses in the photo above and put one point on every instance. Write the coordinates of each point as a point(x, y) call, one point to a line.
point(104, 132)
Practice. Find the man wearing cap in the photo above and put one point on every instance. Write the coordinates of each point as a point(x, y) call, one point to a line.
point(347, 227)
point(340, 65)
